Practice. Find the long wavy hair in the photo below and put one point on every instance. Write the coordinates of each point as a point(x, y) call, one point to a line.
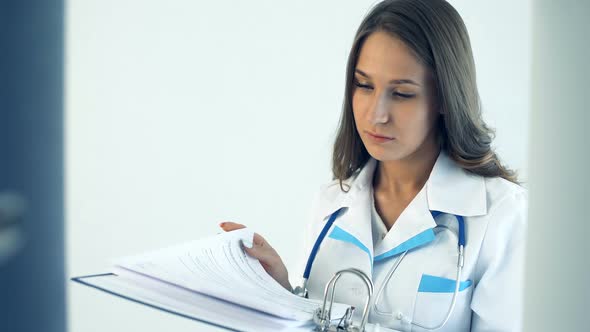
point(436, 34)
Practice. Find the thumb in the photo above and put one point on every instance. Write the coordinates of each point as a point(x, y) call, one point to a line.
point(258, 251)
point(257, 241)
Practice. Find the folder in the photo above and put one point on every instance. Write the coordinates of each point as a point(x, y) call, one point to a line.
point(200, 308)
point(211, 280)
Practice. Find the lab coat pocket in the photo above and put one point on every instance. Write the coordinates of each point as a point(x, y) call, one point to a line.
point(433, 301)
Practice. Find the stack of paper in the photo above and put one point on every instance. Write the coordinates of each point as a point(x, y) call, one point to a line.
point(211, 280)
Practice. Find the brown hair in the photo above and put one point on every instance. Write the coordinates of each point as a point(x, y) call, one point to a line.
point(436, 34)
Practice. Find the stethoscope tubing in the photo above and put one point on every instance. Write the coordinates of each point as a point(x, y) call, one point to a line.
point(318, 242)
point(461, 245)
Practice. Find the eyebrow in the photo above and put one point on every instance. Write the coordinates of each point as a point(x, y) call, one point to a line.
point(397, 81)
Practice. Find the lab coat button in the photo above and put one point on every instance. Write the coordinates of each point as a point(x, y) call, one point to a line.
point(399, 316)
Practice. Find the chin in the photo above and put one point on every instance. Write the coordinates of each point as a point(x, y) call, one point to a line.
point(387, 154)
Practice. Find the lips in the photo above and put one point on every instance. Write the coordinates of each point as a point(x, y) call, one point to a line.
point(378, 139)
point(375, 135)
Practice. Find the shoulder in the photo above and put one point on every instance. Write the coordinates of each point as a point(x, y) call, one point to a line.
point(501, 233)
point(502, 194)
point(505, 222)
point(498, 254)
point(327, 197)
point(335, 194)
point(507, 208)
point(335, 190)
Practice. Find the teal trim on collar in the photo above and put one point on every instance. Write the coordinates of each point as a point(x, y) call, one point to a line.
point(433, 284)
point(342, 235)
point(416, 241)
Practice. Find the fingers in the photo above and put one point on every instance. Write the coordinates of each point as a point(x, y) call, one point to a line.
point(229, 226)
point(271, 262)
point(258, 248)
point(259, 240)
point(266, 255)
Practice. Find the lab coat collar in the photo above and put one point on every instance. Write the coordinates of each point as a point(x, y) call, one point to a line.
point(449, 189)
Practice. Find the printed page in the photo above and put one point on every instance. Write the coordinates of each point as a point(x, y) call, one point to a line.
point(219, 267)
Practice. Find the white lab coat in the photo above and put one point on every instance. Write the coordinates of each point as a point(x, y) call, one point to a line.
point(494, 211)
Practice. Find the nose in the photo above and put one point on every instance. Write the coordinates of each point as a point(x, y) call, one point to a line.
point(378, 112)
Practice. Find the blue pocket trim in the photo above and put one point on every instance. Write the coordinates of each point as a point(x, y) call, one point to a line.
point(433, 284)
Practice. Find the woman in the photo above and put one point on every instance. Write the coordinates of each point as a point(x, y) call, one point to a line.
point(412, 161)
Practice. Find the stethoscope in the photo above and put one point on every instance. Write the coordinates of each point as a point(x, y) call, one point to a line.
point(302, 291)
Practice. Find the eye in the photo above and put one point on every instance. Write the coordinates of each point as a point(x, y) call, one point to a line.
point(402, 95)
point(362, 86)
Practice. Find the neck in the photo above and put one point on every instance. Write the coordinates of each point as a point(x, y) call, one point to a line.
point(406, 176)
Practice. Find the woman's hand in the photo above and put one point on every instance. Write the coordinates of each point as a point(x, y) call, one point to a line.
point(268, 257)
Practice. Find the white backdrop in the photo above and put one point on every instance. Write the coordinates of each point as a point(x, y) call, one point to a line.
point(181, 114)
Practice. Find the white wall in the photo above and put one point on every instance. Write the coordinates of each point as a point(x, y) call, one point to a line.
point(181, 114)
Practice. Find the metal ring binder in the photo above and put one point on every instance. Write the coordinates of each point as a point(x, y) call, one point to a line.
point(322, 318)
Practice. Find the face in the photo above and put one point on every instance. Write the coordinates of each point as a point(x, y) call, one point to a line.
point(393, 99)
